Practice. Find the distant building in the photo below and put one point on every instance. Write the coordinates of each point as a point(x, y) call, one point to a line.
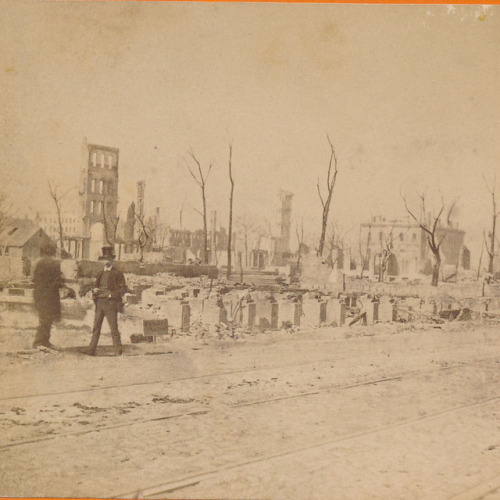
point(99, 189)
point(49, 222)
point(74, 242)
point(408, 248)
point(22, 238)
point(280, 251)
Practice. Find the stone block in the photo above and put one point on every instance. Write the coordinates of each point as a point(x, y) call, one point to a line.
point(212, 312)
point(335, 312)
point(386, 310)
point(248, 315)
point(157, 329)
point(371, 308)
point(196, 306)
point(178, 314)
point(288, 313)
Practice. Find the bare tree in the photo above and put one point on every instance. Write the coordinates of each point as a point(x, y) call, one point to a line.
point(331, 178)
point(246, 225)
point(490, 246)
point(430, 227)
point(334, 240)
point(161, 234)
point(230, 231)
point(300, 240)
point(385, 254)
point(144, 234)
point(201, 179)
point(480, 260)
point(57, 201)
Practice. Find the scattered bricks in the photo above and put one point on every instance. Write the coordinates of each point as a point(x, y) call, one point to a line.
point(178, 314)
point(267, 314)
point(154, 296)
point(155, 328)
point(313, 313)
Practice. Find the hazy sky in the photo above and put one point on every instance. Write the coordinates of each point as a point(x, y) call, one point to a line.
point(408, 94)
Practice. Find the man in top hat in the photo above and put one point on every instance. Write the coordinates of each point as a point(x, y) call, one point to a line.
point(47, 280)
point(108, 292)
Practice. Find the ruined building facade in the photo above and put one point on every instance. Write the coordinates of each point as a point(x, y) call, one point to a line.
point(281, 246)
point(98, 193)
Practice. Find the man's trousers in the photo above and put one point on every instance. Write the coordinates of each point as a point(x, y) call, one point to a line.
point(106, 308)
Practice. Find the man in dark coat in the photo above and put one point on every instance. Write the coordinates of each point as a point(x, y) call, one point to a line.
point(108, 292)
point(47, 281)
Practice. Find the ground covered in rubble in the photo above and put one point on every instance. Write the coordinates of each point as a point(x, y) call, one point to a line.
point(381, 411)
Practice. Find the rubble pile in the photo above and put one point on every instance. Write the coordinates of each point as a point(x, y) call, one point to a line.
point(165, 305)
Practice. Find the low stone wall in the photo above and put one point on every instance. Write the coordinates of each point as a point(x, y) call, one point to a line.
point(90, 269)
point(423, 290)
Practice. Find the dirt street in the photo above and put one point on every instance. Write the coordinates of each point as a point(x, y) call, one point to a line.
point(389, 411)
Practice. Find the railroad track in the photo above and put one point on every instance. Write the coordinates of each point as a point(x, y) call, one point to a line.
point(482, 490)
point(191, 480)
point(324, 389)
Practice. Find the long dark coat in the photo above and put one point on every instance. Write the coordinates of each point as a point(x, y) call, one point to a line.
point(47, 280)
point(116, 285)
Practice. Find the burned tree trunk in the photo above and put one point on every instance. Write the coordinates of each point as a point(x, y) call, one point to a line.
point(201, 179)
point(57, 201)
point(431, 230)
point(331, 178)
point(230, 232)
point(490, 249)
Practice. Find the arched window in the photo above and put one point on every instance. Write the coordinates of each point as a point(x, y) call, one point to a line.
point(94, 158)
point(101, 186)
point(92, 207)
point(401, 237)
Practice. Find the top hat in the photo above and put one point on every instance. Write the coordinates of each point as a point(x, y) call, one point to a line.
point(108, 253)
